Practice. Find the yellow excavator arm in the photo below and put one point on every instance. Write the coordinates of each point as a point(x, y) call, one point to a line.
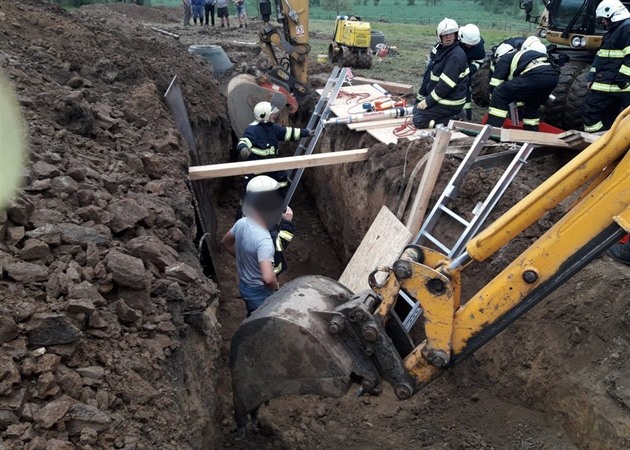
point(316, 337)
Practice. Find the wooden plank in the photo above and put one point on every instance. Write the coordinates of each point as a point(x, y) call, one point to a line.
point(290, 162)
point(533, 137)
point(412, 181)
point(427, 183)
point(381, 245)
point(390, 86)
point(351, 98)
point(476, 127)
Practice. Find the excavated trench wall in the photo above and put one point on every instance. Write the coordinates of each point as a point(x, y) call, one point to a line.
point(569, 356)
point(108, 330)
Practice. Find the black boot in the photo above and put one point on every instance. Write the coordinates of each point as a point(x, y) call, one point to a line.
point(620, 252)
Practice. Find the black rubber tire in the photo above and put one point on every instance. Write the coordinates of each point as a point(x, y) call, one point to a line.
point(364, 60)
point(480, 86)
point(348, 58)
point(554, 111)
point(573, 113)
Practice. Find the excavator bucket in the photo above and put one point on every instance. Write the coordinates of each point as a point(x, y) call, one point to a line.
point(287, 347)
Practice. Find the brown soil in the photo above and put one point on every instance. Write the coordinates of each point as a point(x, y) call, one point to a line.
point(154, 374)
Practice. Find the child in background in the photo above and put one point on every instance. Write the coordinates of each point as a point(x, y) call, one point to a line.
point(241, 13)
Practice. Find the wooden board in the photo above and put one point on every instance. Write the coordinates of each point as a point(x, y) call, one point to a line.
point(344, 104)
point(290, 162)
point(532, 137)
point(390, 86)
point(386, 134)
point(476, 127)
point(381, 245)
point(427, 183)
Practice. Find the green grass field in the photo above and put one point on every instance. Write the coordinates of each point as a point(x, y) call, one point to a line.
point(412, 41)
point(397, 11)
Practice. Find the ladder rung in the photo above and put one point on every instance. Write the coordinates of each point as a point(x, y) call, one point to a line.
point(436, 242)
point(451, 213)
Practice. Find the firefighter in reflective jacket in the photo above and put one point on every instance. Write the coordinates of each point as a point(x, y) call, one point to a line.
point(609, 79)
point(448, 82)
point(525, 76)
point(473, 45)
point(262, 138)
point(282, 235)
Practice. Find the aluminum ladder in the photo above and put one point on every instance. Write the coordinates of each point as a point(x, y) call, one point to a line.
point(320, 113)
point(480, 213)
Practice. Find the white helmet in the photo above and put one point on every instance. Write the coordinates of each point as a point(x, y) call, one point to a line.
point(263, 199)
point(447, 26)
point(529, 41)
point(501, 50)
point(262, 183)
point(612, 10)
point(537, 47)
point(263, 111)
point(469, 34)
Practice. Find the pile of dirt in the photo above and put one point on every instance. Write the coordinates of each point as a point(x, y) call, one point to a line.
point(108, 328)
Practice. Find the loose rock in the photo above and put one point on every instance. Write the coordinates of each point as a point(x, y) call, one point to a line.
point(126, 270)
point(50, 329)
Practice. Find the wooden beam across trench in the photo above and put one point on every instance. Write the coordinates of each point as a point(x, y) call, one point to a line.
point(270, 165)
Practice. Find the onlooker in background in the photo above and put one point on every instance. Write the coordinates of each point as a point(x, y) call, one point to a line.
point(473, 45)
point(197, 11)
point(448, 81)
point(187, 11)
point(223, 13)
point(241, 13)
point(609, 80)
point(249, 240)
point(208, 6)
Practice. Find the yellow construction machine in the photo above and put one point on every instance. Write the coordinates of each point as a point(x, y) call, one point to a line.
point(281, 77)
point(351, 43)
point(315, 336)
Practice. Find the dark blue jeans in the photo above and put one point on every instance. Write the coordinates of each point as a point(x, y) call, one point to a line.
point(254, 296)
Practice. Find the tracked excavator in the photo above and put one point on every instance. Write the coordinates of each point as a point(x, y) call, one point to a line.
point(575, 36)
point(315, 336)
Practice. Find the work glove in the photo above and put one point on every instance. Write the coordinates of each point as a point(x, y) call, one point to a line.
point(310, 133)
point(422, 105)
point(623, 84)
point(244, 153)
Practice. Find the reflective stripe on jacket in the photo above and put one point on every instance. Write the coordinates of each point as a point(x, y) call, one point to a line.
point(448, 82)
point(263, 139)
point(519, 63)
point(611, 66)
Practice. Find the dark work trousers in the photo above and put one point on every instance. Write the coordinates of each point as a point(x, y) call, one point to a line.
point(599, 109)
point(209, 11)
point(532, 89)
point(434, 115)
point(468, 105)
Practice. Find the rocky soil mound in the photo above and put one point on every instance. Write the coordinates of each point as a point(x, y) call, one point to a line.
point(108, 331)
